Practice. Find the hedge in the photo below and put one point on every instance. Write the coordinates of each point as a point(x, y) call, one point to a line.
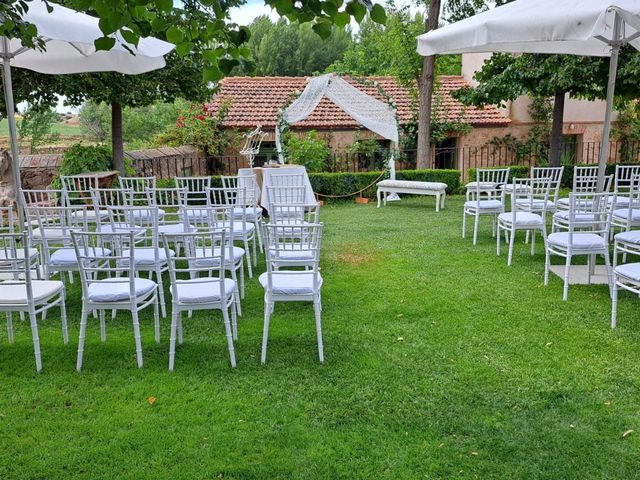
point(336, 184)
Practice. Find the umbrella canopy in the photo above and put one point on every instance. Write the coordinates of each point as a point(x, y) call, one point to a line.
point(578, 27)
point(69, 41)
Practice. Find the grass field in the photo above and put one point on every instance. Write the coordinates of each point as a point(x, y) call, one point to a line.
point(59, 128)
point(441, 362)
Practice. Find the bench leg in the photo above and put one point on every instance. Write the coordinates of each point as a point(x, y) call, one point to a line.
point(444, 195)
point(437, 202)
point(378, 195)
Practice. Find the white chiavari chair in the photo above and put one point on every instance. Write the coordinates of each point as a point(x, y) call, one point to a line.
point(485, 198)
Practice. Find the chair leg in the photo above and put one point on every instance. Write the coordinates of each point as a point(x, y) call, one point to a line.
point(610, 278)
point(136, 335)
point(172, 341)
point(234, 318)
point(316, 308)
point(533, 242)
point(36, 339)
point(475, 228)
point(83, 331)
point(589, 269)
point(227, 329)
point(567, 271)
point(547, 266)
point(512, 239)
point(10, 327)
point(265, 331)
point(180, 337)
point(156, 320)
point(161, 292)
point(103, 327)
point(248, 258)
point(464, 224)
point(378, 195)
point(498, 241)
point(242, 278)
point(63, 315)
point(255, 252)
point(614, 305)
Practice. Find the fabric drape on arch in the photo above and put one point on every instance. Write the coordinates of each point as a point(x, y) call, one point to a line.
point(371, 113)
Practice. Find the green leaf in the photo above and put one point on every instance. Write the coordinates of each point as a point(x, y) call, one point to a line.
point(330, 9)
point(283, 7)
point(211, 55)
point(175, 35)
point(159, 24)
point(107, 27)
point(212, 74)
point(378, 14)
point(104, 43)
point(164, 6)
point(130, 37)
point(184, 48)
point(322, 29)
point(342, 19)
point(227, 65)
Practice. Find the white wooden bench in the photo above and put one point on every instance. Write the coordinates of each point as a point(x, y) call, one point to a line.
point(437, 189)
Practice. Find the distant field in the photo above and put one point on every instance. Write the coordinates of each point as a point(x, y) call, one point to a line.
point(60, 128)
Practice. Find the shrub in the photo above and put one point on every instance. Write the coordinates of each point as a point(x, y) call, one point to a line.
point(36, 127)
point(346, 183)
point(82, 159)
point(515, 171)
point(308, 150)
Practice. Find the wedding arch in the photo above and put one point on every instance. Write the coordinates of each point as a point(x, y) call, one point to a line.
point(371, 113)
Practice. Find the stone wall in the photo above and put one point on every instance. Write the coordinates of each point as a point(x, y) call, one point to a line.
point(38, 171)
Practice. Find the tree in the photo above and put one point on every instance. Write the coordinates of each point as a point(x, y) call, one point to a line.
point(206, 27)
point(287, 48)
point(505, 77)
point(425, 92)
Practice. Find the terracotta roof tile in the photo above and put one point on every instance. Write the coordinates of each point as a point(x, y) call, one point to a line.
point(257, 101)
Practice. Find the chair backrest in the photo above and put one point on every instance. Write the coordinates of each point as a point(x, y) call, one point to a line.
point(248, 182)
point(489, 184)
point(293, 213)
point(12, 265)
point(286, 194)
point(624, 177)
point(530, 195)
point(553, 174)
point(293, 246)
point(287, 180)
point(7, 222)
point(56, 223)
point(585, 179)
point(138, 187)
point(590, 212)
point(105, 197)
point(131, 218)
point(48, 197)
point(103, 254)
point(77, 188)
point(201, 260)
point(195, 188)
point(169, 200)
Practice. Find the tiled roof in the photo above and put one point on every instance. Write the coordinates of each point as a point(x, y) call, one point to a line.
point(257, 101)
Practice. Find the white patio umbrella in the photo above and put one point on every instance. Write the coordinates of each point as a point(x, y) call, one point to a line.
point(69, 40)
point(579, 27)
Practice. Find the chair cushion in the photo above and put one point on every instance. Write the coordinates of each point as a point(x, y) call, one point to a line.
point(437, 186)
point(199, 291)
point(632, 236)
point(137, 231)
point(629, 270)
point(298, 283)
point(524, 219)
point(535, 204)
point(623, 214)
point(54, 233)
point(483, 186)
point(66, 257)
point(91, 214)
point(117, 289)
point(146, 256)
point(484, 205)
point(175, 228)
point(580, 217)
point(16, 293)
point(238, 230)
point(238, 253)
point(581, 240)
point(294, 254)
point(252, 212)
point(33, 253)
point(146, 214)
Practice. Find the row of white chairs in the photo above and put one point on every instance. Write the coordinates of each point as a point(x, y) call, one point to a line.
point(582, 225)
point(68, 243)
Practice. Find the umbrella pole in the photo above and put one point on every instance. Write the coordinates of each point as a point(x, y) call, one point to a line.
point(611, 87)
point(11, 119)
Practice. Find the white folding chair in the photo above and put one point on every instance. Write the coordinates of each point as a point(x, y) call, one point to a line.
point(294, 213)
point(252, 211)
point(585, 180)
point(587, 234)
point(623, 183)
point(287, 180)
point(198, 282)
point(20, 293)
point(7, 225)
point(527, 196)
point(55, 225)
point(77, 189)
point(283, 283)
point(169, 201)
point(485, 198)
point(195, 189)
point(148, 256)
point(233, 203)
point(286, 194)
point(109, 282)
point(137, 188)
point(628, 217)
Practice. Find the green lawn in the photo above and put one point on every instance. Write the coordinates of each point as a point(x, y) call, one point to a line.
point(61, 129)
point(441, 362)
